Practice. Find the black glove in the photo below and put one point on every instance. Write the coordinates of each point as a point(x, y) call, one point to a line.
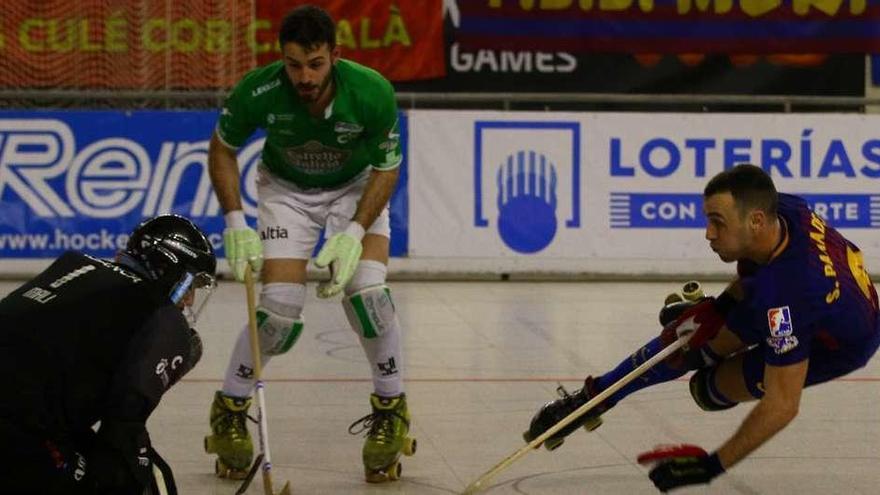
point(681, 465)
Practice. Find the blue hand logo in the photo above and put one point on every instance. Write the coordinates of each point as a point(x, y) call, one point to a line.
point(527, 202)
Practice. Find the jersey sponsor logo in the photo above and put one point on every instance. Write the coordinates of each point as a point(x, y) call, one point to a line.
point(266, 87)
point(39, 295)
point(162, 368)
point(315, 158)
point(534, 167)
point(80, 472)
point(72, 275)
point(347, 131)
point(779, 321)
point(393, 140)
point(274, 232)
point(781, 345)
point(116, 269)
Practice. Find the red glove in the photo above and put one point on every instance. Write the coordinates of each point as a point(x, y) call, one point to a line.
point(704, 320)
point(680, 465)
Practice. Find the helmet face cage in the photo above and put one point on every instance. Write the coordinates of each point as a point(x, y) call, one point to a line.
point(176, 255)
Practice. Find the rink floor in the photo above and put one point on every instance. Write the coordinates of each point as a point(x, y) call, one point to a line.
point(480, 358)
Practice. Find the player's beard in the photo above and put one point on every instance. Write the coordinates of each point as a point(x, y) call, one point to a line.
point(314, 96)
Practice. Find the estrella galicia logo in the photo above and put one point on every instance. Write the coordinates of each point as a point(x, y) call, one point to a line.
point(526, 162)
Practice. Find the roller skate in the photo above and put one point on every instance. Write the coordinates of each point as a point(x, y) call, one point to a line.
point(555, 411)
point(230, 439)
point(387, 428)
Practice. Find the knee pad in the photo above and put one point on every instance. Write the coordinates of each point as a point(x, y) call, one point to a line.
point(370, 311)
point(279, 317)
point(704, 392)
point(369, 273)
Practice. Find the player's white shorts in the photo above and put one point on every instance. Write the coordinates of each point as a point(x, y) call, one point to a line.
point(290, 218)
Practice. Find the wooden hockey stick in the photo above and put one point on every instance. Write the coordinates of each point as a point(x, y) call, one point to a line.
point(478, 485)
point(262, 421)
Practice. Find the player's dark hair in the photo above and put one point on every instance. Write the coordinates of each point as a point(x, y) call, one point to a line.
point(309, 27)
point(750, 187)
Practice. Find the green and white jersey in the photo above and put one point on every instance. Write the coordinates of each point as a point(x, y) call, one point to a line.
point(359, 128)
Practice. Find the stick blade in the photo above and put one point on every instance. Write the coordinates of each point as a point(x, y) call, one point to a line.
point(285, 490)
point(250, 476)
point(473, 488)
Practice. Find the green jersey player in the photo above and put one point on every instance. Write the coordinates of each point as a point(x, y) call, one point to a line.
point(330, 161)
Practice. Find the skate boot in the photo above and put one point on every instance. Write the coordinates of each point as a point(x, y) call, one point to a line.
point(230, 439)
point(555, 411)
point(387, 428)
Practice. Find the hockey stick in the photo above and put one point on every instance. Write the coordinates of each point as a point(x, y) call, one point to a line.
point(250, 476)
point(477, 485)
point(262, 421)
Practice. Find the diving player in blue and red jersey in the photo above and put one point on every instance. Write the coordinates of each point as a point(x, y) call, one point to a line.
point(802, 311)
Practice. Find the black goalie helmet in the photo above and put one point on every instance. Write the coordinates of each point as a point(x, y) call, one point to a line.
point(175, 254)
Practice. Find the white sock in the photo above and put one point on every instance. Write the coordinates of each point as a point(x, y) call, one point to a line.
point(384, 352)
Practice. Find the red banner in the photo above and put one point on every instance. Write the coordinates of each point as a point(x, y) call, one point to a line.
point(199, 44)
point(125, 44)
point(402, 39)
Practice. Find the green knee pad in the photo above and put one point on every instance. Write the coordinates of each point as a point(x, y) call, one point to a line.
point(277, 332)
point(370, 311)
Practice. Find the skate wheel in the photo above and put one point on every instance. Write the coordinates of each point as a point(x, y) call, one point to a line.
point(593, 423)
point(527, 436)
point(409, 446)
point(394, 471)
point(226, 472)
point(552, 445)
point(390, 473)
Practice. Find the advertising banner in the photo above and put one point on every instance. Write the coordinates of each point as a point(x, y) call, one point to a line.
point(200, 44)
point(402, 39)
point(615, 186)
point(673, 26)
point(499, 67)
point(83, 180)
point(131, 44)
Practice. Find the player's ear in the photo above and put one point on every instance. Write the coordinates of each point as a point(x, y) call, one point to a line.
point(757, 219)
point(334, 54)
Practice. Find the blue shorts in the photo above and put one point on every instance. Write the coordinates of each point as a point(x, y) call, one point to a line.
point(825, 364)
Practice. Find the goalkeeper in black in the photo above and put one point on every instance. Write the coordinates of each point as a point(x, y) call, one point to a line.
point(87, 349)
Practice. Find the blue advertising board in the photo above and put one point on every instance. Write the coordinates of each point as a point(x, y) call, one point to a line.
point(83, 179)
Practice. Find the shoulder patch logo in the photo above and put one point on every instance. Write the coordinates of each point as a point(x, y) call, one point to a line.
point(266, 87)
point(779, 321)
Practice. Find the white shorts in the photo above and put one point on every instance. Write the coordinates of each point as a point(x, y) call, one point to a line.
point(290, 218)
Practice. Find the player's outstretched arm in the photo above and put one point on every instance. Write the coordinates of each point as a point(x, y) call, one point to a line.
point(779, 406)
